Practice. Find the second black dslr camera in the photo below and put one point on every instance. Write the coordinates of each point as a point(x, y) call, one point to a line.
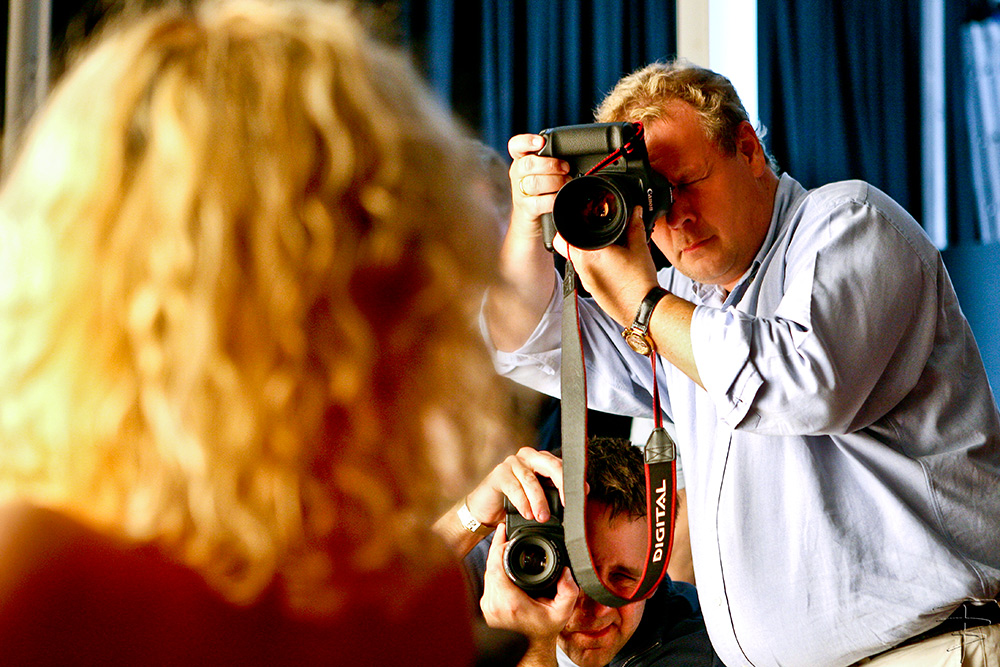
point(536, 551)
point(592, 210)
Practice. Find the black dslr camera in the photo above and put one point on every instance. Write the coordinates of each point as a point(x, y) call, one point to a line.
point(592, 210)
point(536, 552)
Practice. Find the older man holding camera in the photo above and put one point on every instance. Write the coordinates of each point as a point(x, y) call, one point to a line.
point(840, 440)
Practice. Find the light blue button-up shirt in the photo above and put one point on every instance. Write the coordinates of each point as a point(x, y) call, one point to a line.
point(843, 460)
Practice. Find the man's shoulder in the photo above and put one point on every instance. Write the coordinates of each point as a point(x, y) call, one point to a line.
point(839, 194)
point(862, 211)
point(856, 189)
point(690, 650)
point(678, 598)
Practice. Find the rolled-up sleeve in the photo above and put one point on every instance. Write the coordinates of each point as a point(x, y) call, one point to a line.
point(536, 363)
point(838, 340)
point(721, 341)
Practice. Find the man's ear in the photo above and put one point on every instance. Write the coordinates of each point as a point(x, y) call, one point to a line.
point(749, 147)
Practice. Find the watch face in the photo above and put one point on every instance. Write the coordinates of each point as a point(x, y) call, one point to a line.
point(638, 342)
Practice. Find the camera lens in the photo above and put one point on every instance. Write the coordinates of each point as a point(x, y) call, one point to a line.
point(533, 561)
point(590, 212)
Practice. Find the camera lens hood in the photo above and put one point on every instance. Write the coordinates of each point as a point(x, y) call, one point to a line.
point(534, 562)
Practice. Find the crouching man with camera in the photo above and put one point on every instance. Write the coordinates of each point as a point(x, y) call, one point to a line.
point(527, 588)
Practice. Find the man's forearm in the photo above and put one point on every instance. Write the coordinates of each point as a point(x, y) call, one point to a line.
point(516, 305)
point(454, 533)
point(670, 329)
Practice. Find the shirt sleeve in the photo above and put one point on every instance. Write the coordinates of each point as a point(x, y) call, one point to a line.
point(536, 363)
point(619, 381)
point(843, 326)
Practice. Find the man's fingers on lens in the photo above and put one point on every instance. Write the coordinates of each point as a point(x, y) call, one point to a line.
point(566, 591)
point(501, 596)
point(494, 558)
point(637, 229)
point(560, 246)
point(539, 506)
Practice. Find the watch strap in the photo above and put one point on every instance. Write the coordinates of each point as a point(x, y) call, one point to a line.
point(645, 312)
point(637, 335)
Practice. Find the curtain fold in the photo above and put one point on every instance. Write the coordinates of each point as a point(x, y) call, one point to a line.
point(840, 91)
point(840, 96)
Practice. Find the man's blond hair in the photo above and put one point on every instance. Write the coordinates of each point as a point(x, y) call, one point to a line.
point(644, 95)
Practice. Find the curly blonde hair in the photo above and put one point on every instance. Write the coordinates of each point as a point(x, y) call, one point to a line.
point(238, 276)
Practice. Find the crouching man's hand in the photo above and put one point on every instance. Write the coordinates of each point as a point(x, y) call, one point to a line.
point(506, 606)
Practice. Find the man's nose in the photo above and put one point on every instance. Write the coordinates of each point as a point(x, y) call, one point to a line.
point(591, 607)
point(678, 214)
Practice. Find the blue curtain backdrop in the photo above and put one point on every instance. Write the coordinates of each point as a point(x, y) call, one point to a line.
point(840, 91)
point(840, 94)
point(513, 66)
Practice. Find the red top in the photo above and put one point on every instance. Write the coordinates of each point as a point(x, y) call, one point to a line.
point(71, 596)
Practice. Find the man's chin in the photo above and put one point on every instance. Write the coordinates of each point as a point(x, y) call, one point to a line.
point(587, 650)
point(700, 272)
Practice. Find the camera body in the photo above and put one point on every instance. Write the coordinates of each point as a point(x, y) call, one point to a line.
point(536, 551)
point(593, 211)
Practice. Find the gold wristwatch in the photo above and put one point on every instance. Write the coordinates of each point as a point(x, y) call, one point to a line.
point(637, 335)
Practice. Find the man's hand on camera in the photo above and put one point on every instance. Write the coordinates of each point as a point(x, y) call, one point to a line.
point(508, 607)
point(516, 478)
point(515, 304)
point(618, 277)
point(534, 181)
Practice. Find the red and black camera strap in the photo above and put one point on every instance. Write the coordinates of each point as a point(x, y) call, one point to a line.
point(660, 459)
point(627, 148)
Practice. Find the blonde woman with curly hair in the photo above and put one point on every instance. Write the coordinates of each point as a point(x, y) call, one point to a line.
point(239, 378)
